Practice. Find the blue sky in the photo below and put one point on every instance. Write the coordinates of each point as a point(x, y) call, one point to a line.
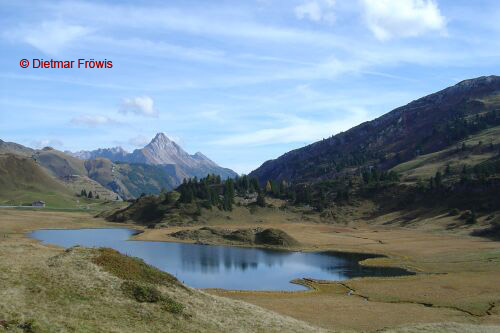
point(240, 81)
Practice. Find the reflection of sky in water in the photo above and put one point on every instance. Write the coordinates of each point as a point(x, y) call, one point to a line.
point(206, 266)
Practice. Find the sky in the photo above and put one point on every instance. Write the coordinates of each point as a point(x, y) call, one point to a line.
point(241, 81)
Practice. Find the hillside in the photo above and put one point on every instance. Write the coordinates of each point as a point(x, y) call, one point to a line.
point(23, 181)
point(422, 127)
point(130, 180)
point(14, 148)
point(437, 156)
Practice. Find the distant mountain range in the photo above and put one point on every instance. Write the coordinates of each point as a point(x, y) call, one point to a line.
point(162, 151)
point(424, 126)
point(162, 164)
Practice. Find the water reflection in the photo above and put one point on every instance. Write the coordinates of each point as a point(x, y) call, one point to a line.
point(207, 266)
point(213, 259)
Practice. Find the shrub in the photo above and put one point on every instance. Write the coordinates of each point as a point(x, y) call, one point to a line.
point(172, 306)
point(466, 215)
point(145, 293)
point(454, 212)
point(132, 269)
point(141, 293)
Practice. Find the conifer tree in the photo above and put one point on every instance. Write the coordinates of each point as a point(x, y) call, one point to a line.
point(261, 200)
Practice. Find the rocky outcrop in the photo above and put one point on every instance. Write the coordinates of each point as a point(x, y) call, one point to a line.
point(255, 236)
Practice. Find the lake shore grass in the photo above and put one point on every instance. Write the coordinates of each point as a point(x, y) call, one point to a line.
point(48, 289)
point(458, 283)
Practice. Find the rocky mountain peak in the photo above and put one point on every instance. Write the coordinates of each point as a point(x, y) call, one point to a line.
point(161, 146)
point(161, 138)
point(162, 151)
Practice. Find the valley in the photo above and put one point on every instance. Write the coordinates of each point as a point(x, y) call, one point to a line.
point(415, 189)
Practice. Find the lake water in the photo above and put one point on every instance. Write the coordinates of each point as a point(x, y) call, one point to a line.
point(209, 266)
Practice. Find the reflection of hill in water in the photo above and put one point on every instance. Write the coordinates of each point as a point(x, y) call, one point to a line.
point(214, 259)
point(208, 258)
point(346, 265)
point(205, 266)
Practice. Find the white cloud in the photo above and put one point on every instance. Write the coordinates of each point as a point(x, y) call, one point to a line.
point(92, 120)
point(316, 10)
point(143, 106)
point(51, 37)
point(46, 143)
point(402, 18)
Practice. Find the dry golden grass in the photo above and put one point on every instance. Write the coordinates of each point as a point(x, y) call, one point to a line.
point(458, 282)
point(47, 289)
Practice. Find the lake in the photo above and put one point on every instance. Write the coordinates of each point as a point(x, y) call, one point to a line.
point(227, 267)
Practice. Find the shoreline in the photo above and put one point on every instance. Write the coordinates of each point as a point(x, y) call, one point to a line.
point(457, 274)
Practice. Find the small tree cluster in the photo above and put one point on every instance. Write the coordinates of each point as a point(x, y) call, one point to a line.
point(88, 194)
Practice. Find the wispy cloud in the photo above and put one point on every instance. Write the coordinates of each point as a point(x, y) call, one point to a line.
point(92, 120)
point(296, 130)
point(143, 106)
point(50, 37)
point(243, 81)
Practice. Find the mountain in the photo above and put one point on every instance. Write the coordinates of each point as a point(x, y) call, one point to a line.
point(162, 151)
point(424, 126)
point(116, 154)
point(99, 175)
point(128, 180)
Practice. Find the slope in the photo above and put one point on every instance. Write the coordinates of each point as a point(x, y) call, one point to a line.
point(23, 181)
point(424, 126)
point(130, 180)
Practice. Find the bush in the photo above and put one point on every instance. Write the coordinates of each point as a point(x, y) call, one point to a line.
point(132, 269)
point(466, 215)
point(144, 293)
point(454, 212)
point(141, 293)
point(172, 306)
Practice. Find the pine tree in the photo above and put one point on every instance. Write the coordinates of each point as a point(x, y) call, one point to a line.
point(228, 195)
point(438, 179)
point(90, 196)
point(447, 171)
point(83, 193)
point(283, 187)
point(254, 185)
point(261, 200)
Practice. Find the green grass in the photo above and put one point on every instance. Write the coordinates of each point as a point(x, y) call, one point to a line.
point(424, 166)
point(131, 268)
